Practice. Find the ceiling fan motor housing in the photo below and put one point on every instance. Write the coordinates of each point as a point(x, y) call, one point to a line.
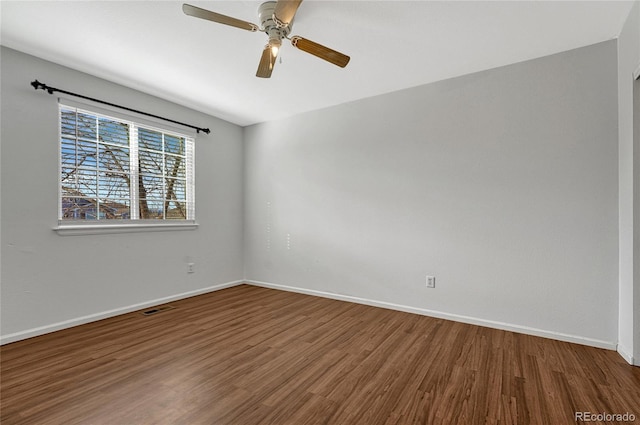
point(269, 25)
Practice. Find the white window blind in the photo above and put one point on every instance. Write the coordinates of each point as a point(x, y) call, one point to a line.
point(115, 170)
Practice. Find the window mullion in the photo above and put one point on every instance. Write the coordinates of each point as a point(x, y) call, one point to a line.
point(98, 201)
point(165, 205)
point(190, 174)
point(134, 172)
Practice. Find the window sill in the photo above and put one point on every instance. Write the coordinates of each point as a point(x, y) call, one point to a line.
point(99, 229)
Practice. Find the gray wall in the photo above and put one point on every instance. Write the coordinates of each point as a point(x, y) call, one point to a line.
point(51, 281)
point(628, 62)
point(503, 184)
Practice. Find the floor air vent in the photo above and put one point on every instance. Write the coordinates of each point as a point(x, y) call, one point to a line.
point(157, 310)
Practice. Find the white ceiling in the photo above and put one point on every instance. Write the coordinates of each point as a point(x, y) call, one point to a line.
point(152, 46)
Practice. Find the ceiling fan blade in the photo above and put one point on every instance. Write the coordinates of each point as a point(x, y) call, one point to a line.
point(285, 11)
point(216, 17)
point(267, 62)
point(320, 51)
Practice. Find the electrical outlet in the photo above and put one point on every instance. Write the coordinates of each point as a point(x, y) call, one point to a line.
point(431, 281)
point(191, 267)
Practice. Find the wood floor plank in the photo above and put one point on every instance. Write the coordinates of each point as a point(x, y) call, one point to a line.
point(248, 355)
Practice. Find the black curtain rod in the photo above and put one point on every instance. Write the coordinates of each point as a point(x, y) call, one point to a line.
point(38, 85)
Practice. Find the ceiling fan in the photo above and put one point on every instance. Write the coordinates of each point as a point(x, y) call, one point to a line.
point(276, 20)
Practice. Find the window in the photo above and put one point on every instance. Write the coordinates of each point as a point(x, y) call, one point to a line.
point(112, 170)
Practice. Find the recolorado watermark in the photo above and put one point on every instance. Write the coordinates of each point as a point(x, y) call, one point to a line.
point(604, 417)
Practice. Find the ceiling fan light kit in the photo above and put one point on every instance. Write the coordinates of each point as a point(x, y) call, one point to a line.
point(276, 20)
point(277, 31)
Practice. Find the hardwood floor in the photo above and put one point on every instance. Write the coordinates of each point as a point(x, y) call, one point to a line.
point(248, 355)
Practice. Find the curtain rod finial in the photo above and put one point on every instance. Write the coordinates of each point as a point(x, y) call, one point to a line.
point(36, 84)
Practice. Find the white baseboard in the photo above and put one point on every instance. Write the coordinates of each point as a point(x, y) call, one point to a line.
point(6, 339)
point(625, 353)
point(442, 315)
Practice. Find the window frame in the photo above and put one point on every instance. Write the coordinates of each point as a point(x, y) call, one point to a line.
point(99, 226)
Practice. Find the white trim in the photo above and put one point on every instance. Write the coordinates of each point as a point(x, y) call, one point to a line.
point(29, 333)
point(17, 336)
point(99, 229)
point(625, 353)
point(609, 345)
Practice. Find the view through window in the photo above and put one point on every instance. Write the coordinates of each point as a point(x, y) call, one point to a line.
point(113, 169)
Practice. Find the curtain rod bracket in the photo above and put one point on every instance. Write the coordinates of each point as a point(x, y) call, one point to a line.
point(38, 85)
